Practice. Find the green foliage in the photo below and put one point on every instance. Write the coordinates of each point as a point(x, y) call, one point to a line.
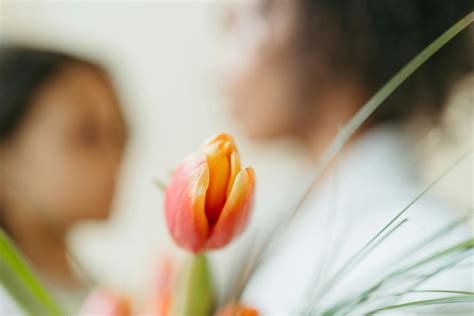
point(18, 279)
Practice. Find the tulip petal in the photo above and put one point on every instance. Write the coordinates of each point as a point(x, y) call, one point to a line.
point(104, 302)
point(234, 171)
point(219, 138)
point(185, 203)
point(237, 310)
point(236, 211)
point(219, 171)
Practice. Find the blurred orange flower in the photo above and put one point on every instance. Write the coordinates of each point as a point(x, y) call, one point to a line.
point(237, 310)
point(163, 286)
point(104, 302)
point(209, 199)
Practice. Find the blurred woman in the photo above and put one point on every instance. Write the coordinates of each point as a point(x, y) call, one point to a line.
point(302, 69)
point(62, 136)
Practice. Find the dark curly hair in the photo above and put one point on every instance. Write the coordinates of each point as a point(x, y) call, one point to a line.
point(23, 71)
point(373, 39)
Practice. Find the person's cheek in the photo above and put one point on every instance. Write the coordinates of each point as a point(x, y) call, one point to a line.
point(104, 173)
point(247, 93)
point(241, 66)
point(96, 180)
point(45, 180)
point(83, 188)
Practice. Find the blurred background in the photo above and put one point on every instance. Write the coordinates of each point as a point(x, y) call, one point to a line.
point(163, 58)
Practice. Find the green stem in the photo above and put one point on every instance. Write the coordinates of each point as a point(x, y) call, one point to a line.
point(194, 293)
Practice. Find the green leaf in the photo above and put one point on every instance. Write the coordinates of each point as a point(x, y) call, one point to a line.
point(18, 279)
point(161, 185)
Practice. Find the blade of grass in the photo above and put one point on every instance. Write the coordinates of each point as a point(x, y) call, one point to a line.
point(447, 266)
point(410, 288)
point(161, 185)
point(437, 301)
point(19, 280)
point(401, 294)
point(349, 129)
point(352, 264)
point(454, 250)
point(435, 236)
point(462, 246)
point(423, 278)
point(348, 302)
point(368, 247)
point(443, 291)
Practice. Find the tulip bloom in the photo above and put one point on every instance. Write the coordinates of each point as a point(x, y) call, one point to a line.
point(209, 198)
point(237, 310)
point(162, 293)
point(104, 302)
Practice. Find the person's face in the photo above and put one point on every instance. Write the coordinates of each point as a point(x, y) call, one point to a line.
point(64, 157)
point(259, 71)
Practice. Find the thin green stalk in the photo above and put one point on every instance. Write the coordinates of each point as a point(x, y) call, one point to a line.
point(194, 293)
point(350, 302)
point(352, 263)
point(401, 294)
point(465, 245)
point(435, 236)
point(362, 253)
point(437, 301)
point(410, 288)
point(19, 280)
point(443, 291)
point(458, 248)
point(447, 266)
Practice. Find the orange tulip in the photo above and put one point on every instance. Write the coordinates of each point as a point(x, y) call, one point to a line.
point(237, 310)
point(209, 199)
point(105, 302)
point(162, 292)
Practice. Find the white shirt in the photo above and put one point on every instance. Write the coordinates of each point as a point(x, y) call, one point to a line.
point(373, 180)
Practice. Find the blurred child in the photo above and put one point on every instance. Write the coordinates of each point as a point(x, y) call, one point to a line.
point(302, 69)
point(62, 137)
